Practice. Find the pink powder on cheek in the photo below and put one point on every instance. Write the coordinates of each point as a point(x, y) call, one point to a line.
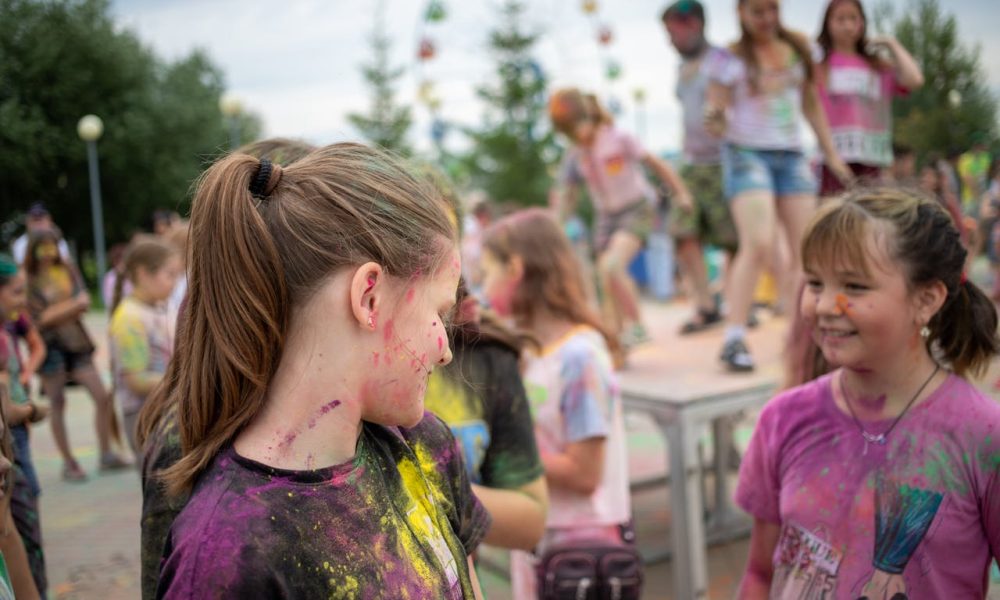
point(502, 300)
point(440, 343)
point(375, 356)
point(389, 330)
point(410, 294)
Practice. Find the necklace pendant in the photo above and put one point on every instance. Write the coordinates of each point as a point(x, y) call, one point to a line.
point(873, 438)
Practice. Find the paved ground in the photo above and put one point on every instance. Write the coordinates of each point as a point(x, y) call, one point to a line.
point(92, 535)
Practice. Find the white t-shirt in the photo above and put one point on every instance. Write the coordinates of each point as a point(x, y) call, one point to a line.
point(574, 396)
point(767, 118)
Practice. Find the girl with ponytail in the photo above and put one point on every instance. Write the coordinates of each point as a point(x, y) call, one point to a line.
point(317, 298)
point(142, 327)
point(883, 475)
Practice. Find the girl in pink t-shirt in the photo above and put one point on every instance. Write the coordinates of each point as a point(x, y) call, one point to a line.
point(856, 87)
point(609, 163)
point(880, 480)
point(530, 274)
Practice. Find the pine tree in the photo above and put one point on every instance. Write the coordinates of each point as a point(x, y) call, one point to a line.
point(510, 150)
point(386, 123)
point(955, 105)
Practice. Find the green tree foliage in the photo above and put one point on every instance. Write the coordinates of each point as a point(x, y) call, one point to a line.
point(955, 105)
point(386, 124)
point(62, 59)
point(510, 150)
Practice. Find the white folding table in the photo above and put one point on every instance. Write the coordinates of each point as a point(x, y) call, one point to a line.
point(683, 393)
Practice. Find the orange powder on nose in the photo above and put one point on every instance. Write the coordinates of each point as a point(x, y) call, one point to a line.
point(843, 304)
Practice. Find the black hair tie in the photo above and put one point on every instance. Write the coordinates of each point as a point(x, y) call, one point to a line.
point(258, 187)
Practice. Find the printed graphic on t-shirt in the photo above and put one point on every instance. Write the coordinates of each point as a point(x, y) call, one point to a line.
point(613, 165)
point(855, 82)
point(806, 566)
point(474, 439)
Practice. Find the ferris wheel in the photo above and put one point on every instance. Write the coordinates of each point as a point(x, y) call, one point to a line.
point(436, 38)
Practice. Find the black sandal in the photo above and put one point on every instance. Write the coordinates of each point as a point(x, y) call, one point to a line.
point(703, 320)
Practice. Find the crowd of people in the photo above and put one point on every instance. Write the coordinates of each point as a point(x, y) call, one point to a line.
point(335, 381)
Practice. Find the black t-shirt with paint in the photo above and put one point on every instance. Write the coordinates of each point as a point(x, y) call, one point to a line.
point(480, 395)
point(397, 521)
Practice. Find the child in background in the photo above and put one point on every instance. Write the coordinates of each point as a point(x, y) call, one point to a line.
point(531, 275)
point(21, 412)
point(880, 479)
point(609, 162)
point(57, 303)
point(316, 297)
point(856, 86)
point(481, 397)
point(15, 575)
point(142, 326)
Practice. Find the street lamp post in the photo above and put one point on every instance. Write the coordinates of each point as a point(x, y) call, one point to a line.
point(90, 129)
point(231, 107)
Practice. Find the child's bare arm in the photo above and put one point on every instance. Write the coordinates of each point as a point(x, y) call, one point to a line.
point(665, 173)
point(36, 354)
point(760, 565)
point(580, 468)
point(518, 514)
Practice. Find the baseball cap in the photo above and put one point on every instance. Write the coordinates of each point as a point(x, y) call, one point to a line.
point(685, 9)
point(38, 210)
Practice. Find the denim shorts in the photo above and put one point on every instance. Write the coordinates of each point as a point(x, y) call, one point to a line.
point(782, 172)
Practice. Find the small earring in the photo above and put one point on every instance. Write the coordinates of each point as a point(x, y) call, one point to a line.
point(925, 332)
point(371, 321)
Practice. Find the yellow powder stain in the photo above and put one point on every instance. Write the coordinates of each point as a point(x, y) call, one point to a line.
point(348, 587)
point(418, 518)
point(424, 515)
point(444, 398)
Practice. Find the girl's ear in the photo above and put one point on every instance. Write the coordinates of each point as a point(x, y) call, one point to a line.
point(367, 290)
point(928, 301)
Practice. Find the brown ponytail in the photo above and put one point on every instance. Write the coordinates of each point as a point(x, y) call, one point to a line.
point(965, 329)
point(253, 261)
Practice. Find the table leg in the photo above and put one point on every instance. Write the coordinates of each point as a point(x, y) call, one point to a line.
point(687, 505)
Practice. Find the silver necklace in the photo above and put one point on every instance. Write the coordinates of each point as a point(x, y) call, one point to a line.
point(881, 438)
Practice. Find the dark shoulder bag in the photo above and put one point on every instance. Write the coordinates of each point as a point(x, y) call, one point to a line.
point(591, 570)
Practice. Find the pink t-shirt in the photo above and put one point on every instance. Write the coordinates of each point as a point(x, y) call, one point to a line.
point(612, 170)
point(858, 104)
point(920, 514)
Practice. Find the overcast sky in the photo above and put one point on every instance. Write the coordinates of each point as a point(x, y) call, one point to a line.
point(295, 63)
